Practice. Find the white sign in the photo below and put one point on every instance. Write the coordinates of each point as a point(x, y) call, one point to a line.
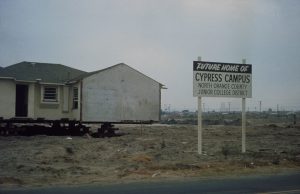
point(213, 79)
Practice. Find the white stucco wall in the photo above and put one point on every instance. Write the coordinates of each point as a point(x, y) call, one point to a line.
point(120, 94)
point(7, 98)
point(31, 99)
point(36, 108)
point(75, 112)
point(48, 110)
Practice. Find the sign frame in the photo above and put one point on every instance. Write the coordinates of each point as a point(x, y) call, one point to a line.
point(218, 79)
point(233, 69)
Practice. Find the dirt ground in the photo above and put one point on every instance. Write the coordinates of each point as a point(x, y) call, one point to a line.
point(151, 152)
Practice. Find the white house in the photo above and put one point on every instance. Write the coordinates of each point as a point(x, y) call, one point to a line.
point(53, 91)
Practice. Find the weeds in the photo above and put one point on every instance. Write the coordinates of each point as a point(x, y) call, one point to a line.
point(69, 150)
point(229, 149)
point(163, 144)
point(225, 151)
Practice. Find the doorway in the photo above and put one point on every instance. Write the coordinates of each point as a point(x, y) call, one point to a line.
point(21, 100)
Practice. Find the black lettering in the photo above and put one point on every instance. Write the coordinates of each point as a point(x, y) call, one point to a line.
point(208, 77)
point(237, 78)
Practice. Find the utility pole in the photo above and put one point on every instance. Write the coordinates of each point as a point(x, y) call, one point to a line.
point(229, 106)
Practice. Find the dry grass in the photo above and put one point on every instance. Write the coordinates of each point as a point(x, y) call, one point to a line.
point(159, 152)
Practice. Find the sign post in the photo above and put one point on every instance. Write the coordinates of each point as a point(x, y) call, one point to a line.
point(244, 121)
point(217, 79)
point(199, 122)
point(199, 126)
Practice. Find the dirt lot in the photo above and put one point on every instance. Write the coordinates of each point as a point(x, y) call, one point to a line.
point(153, 153)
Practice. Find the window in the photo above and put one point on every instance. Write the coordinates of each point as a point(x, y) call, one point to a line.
point(50, 94)
point(75, 98)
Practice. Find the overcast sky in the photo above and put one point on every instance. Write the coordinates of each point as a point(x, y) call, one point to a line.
point(161, 38)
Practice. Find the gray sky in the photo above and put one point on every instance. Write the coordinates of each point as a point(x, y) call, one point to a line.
point(161, 38)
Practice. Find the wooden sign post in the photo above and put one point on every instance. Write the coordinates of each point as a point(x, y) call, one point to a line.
point(244, 121)
point(199, 122)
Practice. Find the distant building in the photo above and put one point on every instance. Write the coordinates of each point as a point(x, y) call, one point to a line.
point(54, 91)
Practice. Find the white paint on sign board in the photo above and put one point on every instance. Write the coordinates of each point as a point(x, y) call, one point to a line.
point(213, 79)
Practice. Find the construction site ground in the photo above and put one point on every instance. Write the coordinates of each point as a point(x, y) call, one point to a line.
point(149, 153)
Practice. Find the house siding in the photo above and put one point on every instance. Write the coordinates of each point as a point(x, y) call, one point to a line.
point(31, 100)
point(75, 112)
point(7, 98)
point(120, 94)
point(50, 111)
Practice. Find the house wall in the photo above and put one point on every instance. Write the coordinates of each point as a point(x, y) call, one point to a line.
point(7, 98)
point(31, 99)
point(75, 113)
point(120, 94)
point(50, 110)
point(37, 108)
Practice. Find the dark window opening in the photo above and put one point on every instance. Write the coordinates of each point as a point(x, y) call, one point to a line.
point(50, 94)
point(21, 100)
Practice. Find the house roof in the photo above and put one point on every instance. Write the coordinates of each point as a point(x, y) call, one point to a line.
point(47, 72)
point(93, 72)
point(101, 70)
point(51, 73)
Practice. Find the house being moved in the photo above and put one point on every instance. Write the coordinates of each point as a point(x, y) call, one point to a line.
point(117, 94)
